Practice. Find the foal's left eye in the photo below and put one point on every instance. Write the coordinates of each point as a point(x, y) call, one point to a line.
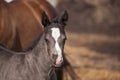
point(64, 38)
point(47, 41)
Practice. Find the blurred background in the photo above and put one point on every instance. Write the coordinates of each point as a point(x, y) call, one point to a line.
point(93, 38)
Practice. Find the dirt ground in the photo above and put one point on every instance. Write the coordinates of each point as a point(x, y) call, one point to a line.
point(92, 49)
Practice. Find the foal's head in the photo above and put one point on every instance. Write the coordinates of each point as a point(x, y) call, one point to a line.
point(55, 36)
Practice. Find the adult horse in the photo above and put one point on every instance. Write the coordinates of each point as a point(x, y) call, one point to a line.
point(20, 22)
point(39, 61)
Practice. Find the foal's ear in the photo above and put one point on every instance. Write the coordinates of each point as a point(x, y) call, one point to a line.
point(64, 17)
point(45, 19)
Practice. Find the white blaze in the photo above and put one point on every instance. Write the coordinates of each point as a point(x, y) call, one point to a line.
point(54, 3)
point(8, 1)
point(56, 35)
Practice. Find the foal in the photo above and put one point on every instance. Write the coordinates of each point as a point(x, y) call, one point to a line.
point(38, 62)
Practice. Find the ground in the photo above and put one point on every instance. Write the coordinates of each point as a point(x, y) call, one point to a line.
point(92, 49)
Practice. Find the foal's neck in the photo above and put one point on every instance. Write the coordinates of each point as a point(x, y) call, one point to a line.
point(45, 62)
point(39, 45)
point(40, 51)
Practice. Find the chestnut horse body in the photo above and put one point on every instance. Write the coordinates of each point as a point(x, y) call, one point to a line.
point(20, 22)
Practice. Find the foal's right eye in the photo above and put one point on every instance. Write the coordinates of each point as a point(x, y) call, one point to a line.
point(47, 41)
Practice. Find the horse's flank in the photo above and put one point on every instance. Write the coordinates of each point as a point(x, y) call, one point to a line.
point(20, 22)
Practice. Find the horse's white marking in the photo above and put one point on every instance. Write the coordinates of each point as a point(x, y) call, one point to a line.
point(56, 35)
point(8, 1)
point(54, 3)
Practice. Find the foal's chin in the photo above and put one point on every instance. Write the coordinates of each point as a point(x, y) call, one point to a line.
point(58, 65)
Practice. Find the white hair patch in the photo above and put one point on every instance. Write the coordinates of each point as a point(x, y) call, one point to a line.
point(56, 35)
point(8, 1)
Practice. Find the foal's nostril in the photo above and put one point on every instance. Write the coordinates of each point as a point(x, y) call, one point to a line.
point(61, 60)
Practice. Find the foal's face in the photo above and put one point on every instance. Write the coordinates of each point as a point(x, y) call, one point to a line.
point(55, 37)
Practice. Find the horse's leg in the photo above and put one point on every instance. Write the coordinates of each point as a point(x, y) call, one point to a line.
point(59, 73)
point(68, 67)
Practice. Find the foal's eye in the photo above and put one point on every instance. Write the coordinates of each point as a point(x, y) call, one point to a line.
point(65, 38)
point(47, 41)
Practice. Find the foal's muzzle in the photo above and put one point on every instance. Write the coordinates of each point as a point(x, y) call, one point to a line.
point(57, 60)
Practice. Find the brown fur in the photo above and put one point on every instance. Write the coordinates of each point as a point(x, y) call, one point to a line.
point(20, 22)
